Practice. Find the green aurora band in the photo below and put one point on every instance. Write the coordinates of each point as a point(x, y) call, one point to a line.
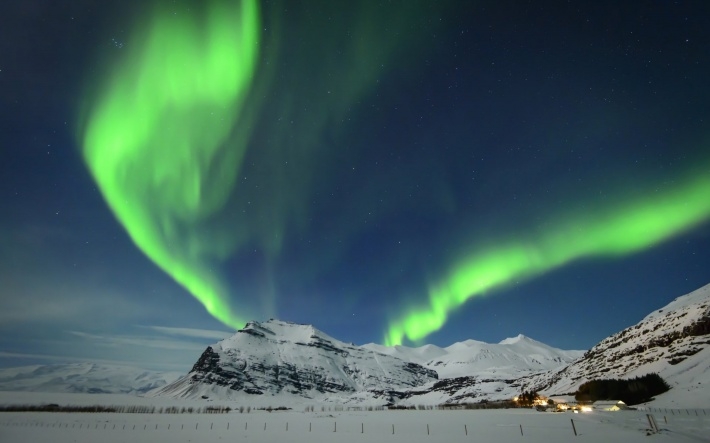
point(630, 228)
point(159, 139)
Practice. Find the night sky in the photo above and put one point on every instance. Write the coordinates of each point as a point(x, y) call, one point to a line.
point(389, 171)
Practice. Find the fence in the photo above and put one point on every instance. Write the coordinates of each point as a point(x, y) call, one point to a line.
point(397, 426)
point(679, 412)
point(410, 426)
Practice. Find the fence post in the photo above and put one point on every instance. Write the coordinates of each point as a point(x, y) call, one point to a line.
point(335, 426)
point(427, 429)
point(648, 417)
point(574, 428)
point(521, 429)
point(362, 428)
point(286, 427)
point(465, 429)
point(265, 426)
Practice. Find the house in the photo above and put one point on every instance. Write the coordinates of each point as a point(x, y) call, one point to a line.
point(564, 402)
point(609, 405)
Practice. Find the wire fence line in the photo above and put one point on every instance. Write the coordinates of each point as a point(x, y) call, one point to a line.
point(556, 427)
point(680, 411)
point(298, 427)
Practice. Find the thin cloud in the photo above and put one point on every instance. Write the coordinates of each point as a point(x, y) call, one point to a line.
point(149, 342)
point(190, 332)
point(64, 359)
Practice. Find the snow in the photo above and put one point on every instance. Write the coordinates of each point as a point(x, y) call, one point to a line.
point(696, 301)
point(352, 426)
point(83, 377)
point(660, 343)
point(511, 358)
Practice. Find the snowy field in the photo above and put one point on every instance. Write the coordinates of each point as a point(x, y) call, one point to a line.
point(296, 425)
point(381, 426)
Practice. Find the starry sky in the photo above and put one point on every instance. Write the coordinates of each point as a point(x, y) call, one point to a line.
point(399, 172)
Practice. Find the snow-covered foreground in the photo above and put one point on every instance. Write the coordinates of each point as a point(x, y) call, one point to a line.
point(385, 426)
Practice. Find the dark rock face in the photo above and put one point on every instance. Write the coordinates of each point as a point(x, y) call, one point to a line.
point(259, 378)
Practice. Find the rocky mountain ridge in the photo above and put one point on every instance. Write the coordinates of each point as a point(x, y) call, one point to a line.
point(277, 358)
point(667, 342)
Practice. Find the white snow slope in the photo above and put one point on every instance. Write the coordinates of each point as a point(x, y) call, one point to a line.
point(490, 426)
point(511, 358)
point(83, 378)
point(673, 341)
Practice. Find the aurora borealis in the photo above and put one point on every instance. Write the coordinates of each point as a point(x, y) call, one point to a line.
point(157, 140)
point(629, 228)
point(400, 172)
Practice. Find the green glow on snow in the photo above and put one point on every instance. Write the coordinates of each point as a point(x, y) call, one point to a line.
point(629, 228)
point(159, 138)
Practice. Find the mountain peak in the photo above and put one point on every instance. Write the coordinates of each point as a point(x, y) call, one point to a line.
point(291, 360)
point(517, 339)
point(279, 330)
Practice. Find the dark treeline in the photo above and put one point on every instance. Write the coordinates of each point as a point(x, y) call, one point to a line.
point(632, 391)
point(527, 398)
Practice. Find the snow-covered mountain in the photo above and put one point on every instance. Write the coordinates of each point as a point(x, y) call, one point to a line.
point(83, 378)
point(293, 361)
point(673, 341)
point(471, 371)
point(283, 360)
point(511, 358)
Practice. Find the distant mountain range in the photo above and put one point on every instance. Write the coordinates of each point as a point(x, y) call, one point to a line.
point(88, 378)
point(281, 363)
